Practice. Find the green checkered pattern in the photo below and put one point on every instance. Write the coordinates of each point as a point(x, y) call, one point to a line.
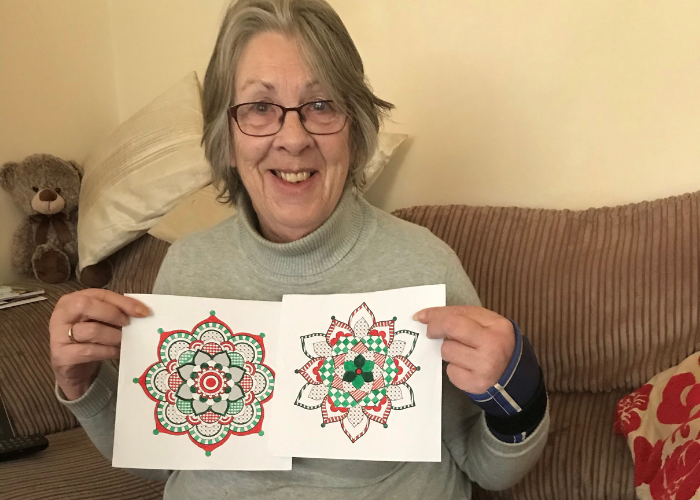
point(390, 370)
point(374, 397)
point(341, 399)
point(186, 357)
point(235, 407)
point(326, 371)
point(344, 344)
point(185, 406)
point(375, 344)
point(236, 359)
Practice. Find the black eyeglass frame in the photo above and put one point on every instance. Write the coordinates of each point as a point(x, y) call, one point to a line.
point(233, 113)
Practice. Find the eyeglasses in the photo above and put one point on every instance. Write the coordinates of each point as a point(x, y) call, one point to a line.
point(262, 119)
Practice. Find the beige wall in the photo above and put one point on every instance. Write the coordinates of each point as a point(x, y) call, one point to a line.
point(57, 88)
point(560, 104)
point(158, 42)
point(548, 104)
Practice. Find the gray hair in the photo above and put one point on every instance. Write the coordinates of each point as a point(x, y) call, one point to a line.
point(332, 57)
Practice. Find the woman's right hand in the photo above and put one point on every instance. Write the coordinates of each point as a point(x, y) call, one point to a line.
point(95, 317)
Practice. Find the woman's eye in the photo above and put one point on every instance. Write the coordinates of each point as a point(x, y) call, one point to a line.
point(58, 190)
point(36, 189)
point(262, 107)
point(319, 106)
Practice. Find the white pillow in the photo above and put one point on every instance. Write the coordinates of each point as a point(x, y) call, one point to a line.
point(201, 210)
point(141, 171)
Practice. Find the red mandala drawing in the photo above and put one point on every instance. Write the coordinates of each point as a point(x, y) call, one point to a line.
point(358, 372)
point(209, 383)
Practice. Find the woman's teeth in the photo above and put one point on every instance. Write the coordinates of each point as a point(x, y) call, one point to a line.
point(293, 177)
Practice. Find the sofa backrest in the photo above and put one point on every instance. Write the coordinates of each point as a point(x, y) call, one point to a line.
point(609, 296)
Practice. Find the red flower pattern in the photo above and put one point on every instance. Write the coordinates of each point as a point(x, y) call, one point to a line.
point(674, 476)
point(626, 418)
point(679, 477)
point(647, 460)
point(674, 408)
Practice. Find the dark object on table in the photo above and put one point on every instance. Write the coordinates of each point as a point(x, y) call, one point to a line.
point(12, 446)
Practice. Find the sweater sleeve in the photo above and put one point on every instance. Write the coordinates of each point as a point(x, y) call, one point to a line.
point(486, 460)
point(96, 409)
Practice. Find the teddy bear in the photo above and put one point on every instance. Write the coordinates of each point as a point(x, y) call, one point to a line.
point(46, 189)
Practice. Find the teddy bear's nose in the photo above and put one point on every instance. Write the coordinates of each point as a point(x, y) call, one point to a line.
point(48, 195)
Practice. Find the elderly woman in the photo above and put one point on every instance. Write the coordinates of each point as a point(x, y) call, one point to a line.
point(290, 122)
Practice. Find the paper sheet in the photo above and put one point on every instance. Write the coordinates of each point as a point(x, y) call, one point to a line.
point(358, 378)
point(195, 382)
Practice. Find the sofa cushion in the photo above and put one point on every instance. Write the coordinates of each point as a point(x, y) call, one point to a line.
point(72, 468)
point(141, 171)
point(137, 264)
point(583, 458)
point(608, 296)
point(661, 421)
point(27, 381)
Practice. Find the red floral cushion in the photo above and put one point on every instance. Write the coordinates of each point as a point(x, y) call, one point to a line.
point(661, 421)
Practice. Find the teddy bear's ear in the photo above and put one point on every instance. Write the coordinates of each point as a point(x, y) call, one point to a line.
point(77, 168)
point(7, 175)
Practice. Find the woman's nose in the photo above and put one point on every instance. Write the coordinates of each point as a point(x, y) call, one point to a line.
point(293, 137)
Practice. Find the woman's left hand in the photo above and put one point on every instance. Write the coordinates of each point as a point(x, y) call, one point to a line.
point(478, 344)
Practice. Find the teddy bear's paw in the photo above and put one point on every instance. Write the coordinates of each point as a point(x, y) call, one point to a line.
point(97, 275)
point(50, 265)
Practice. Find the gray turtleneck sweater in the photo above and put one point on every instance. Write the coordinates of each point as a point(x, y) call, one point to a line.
point(358, 249)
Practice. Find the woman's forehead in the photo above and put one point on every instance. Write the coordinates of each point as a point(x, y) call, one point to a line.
point(272, 61)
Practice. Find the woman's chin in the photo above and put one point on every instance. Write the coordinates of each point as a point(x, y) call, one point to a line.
point(292, 210)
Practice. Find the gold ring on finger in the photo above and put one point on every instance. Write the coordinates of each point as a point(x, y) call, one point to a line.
point(71, 337)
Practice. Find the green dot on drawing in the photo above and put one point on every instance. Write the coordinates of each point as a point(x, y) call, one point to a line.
point(160, 330)
point(262, 335)
point(386, 425)
point(323, 425)
point(209, 452)
point(136, 381)
point(261, 433)
point(296, 371)
point(155, 432)
point(332, 317)
point(213, 313)
point(394, 318)
point(417, 368)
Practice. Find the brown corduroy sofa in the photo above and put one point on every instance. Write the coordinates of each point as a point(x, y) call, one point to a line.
point(609, 297)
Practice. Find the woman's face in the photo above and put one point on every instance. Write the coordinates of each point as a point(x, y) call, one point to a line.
point(271, 69)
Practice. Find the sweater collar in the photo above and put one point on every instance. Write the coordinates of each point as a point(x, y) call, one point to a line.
point(309, 256)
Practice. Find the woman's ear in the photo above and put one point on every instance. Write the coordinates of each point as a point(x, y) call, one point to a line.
point(7, 176)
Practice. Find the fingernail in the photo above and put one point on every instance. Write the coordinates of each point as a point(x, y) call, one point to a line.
point(143, 311)
point(419, 316)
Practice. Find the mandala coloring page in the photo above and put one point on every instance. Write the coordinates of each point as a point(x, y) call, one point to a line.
point(359, 378)
point(358, 372)
point(207, 385)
